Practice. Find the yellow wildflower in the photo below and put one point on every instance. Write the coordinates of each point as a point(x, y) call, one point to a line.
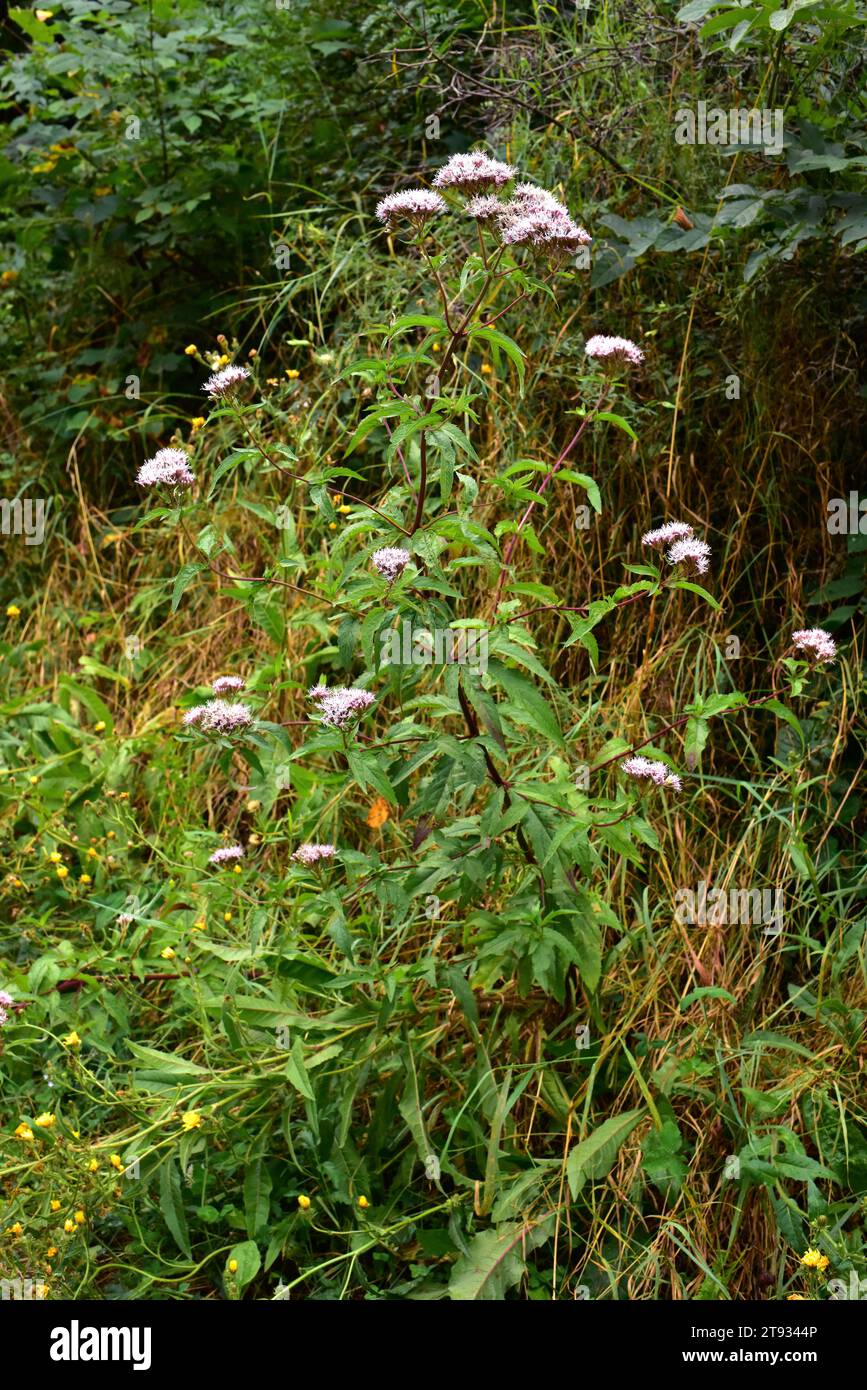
point(814, 1259)
point(116, 1161)
point(55, 1205)
point(69, 1226)
point(45, 1120)
point(167, 953)
point(71, 1039)
point(80, 1217)
point(24, 1132)
point(191, 1119)
point(191, 350)
point(303, 1202)
point(233, 1266)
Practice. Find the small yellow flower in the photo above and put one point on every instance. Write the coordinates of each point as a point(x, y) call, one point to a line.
point(80, 1217)
point(71, 1039)
point(813, 1259)
point(227, 916)
point(292, 374)
point(8, 276)
point(85, 878)
point(303, 1202)
point(45, 1120)
point(33, 781)
point(92, 1166)
point(435, 346)
point(54, 857)
point(167, 953)
point(796, 1298)
point(191, 1119)
point(116, 1161)
point(99, 726)
point(200, 925)
point(55, 1205)
point(51, 1252)
point(363, 1203)
point(69, 1226)
point(92, 854)
point(44, 14)
point(13, 611)
point(24, 1132)
point(191, 350)
point(197, 422)
point(111, 835)
point(17, 1229)
point(62, 871)
point(344, 509)
point(224, 360)
point(332, 525)
point(487, 368)
point(253, 806)
point(233, 1266)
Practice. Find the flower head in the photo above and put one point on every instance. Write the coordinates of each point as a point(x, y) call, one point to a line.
point(534, 217)
point(665, 535)
point(814, 1259)
point(219, 717)
point(45, 1120)
point(413, 205)
point(613, 351)
point(340, 705)
point(6, 1002)
point(191, 1119)
point(473, 173)
point(167, 468)
point(23, 1132)
point(227, 854)
point(692, 553)
point(223, 685)
point(226, 382)
point(816, 644)
point(656, 772)
point(124, 919)
point(311, 854)
point(485, 207)
point(391, 562)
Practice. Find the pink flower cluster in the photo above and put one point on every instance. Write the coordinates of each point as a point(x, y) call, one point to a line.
point(218, 717)
point(473, 173)
point(692, 553)
point(391, 561)
point(613, 351)
point(684, 547)
point(534, 217)
point(223, 685)
point(657, 772)
point(6, 1002)
point(664, 535)
point(167, 468)
point(816, 644)
point(339, 705)
point(226, 382)
point(226, 854)
point(413, 205)
point(311, 854)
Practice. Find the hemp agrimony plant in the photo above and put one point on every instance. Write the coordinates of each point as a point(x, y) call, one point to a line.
point(428, 696)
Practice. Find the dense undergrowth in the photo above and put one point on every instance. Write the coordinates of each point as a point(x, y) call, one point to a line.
point(481, 1050)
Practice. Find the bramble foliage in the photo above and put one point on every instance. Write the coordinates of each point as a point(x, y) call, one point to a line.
point(433, 842)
